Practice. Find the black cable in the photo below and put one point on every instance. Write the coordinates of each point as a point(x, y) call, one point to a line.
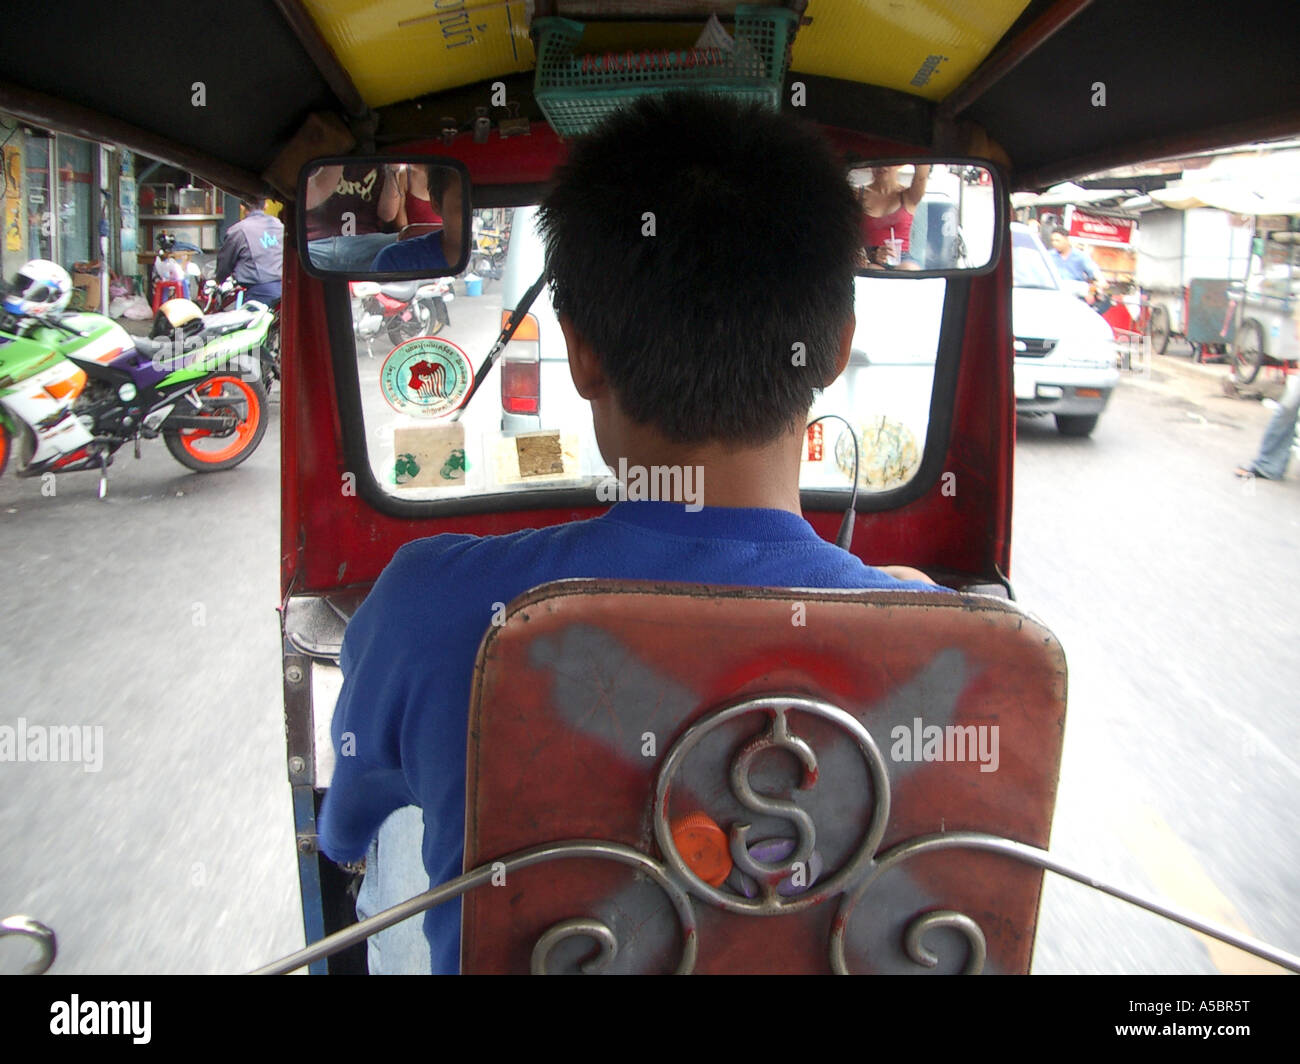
point(845, 536)
point(511, 326)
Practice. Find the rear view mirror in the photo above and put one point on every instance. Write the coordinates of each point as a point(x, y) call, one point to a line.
point(927, 218)
point(384, 217)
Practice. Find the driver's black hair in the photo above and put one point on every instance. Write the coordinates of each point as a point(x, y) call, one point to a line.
point(694, 242)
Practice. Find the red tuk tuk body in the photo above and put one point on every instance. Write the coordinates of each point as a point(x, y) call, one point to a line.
point(983, 103)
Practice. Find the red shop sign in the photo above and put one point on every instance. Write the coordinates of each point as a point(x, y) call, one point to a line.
point(1094, 227)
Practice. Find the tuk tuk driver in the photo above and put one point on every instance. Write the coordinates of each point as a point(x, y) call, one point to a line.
point(666, 232)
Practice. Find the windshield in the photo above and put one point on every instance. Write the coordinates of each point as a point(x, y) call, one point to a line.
point(1029, 265)
point(527, 428)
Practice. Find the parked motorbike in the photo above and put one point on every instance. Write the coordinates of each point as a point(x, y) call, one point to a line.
point(489, 257)
point(231, 295)
point(403, 310)
point(76, 387)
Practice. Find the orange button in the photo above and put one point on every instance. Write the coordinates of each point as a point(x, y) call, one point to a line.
point(703, 846)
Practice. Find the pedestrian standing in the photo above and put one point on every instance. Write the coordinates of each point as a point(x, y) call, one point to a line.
point(1275, 448)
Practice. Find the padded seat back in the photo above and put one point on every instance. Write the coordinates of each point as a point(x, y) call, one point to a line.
point(805, 738)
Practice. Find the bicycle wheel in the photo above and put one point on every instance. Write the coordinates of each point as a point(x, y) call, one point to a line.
point(1247, 351)
point(1159, 330)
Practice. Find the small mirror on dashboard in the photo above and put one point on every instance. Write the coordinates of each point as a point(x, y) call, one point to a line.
point(926, 216)
point(384, 217)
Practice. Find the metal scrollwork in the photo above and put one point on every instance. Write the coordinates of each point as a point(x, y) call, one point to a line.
point(1032, 855)
point(557, 851)
point(678, 881)
point(768, 875)
point(778, 736)
point(919, 952)
point(579, 928)
point(43, 936)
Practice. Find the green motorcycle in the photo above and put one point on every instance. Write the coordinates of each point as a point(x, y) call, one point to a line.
point(76, 387)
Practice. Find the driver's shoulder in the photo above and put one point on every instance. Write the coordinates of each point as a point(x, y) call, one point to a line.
point(452, 559)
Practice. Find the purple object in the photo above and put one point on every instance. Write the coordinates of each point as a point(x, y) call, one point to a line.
point(774, 851)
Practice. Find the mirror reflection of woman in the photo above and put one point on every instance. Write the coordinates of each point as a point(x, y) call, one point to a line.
point(888, 207)
point(406, 198)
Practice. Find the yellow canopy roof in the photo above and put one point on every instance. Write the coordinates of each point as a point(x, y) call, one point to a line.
point(401, 49)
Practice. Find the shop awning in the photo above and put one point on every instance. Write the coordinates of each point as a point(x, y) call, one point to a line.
point(1234, 196)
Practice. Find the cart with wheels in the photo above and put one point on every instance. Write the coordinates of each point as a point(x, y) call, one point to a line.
point(1211, 317)
point(1267, 304)
point(1186, 259)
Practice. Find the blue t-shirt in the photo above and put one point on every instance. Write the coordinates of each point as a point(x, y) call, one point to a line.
point(408, 655)
point(418, 253)
point(1076, 265)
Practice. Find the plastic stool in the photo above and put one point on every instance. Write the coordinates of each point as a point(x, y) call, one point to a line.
point(165, 290)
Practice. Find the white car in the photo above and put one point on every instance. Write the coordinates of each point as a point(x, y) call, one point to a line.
point(1065, 351)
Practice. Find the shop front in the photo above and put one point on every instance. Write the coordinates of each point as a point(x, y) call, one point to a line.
point(58, 198)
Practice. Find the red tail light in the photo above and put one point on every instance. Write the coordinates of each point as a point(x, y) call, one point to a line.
point(521, 387)
point(521, 372)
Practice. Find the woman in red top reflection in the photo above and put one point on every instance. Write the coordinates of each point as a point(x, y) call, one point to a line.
point(888, 207)
point(410, 203)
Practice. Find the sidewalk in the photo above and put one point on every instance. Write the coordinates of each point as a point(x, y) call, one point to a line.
point(1209, 387)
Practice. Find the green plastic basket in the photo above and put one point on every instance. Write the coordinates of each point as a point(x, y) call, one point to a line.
point(576, 93)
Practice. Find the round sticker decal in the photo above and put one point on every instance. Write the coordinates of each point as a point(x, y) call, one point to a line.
point(426, 377)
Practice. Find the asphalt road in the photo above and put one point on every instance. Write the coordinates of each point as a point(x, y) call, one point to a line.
point(1173, 587)
point(151, 614)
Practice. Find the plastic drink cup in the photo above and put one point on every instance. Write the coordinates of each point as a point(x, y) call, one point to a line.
point(893, 251)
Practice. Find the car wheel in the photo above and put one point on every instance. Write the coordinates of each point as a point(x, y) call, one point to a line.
point(1076, 424)
point(1247, 351)
point(1159, 330)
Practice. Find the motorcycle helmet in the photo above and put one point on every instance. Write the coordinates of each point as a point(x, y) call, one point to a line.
point(40, 288)
point(177, 315)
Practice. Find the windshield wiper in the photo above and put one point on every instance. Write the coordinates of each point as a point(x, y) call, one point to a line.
point(516, 319)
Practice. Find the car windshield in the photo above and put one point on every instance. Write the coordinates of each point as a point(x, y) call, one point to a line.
point(1029, 267)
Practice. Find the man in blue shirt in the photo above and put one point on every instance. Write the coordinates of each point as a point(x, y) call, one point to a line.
point(1073, 264)
point(253, 252)
point(675, 340)
point(434, 251)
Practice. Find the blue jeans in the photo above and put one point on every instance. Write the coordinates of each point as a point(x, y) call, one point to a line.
point(395, 872)
point(348, 254)
point(1275, 447)
point(267, 292)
